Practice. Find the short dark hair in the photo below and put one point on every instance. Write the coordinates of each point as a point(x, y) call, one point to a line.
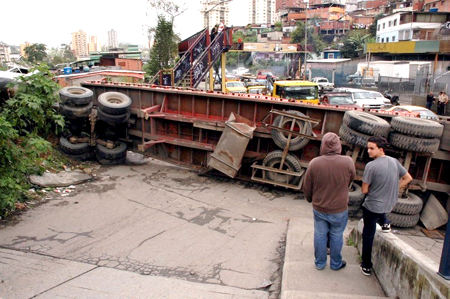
point(380, 141)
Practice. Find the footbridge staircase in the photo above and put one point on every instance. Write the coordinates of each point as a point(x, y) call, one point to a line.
point(198, 54)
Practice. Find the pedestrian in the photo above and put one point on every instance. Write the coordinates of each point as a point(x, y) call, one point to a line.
point(383, 178)
point(326, 185)
point(430, 100)
point(442, 103)
point(221, 26)
point(214, 32)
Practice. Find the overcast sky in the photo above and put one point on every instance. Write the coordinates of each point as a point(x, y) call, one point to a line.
point(51, 22)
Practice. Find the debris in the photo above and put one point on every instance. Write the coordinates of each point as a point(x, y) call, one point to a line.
point(61, 179)
point(433, 214)
point(265, 284)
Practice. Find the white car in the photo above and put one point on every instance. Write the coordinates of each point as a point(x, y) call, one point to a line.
point(362, 98)
point(379, 96)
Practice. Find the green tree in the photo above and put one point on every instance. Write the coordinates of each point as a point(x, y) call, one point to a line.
point(36, 53)
point(373, 26)
point(164, 52)
point(354, 45)
point(314, 40)
point(165, 47)
point(278, 26)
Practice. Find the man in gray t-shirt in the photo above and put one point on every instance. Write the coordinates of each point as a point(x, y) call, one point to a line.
point(382, 179)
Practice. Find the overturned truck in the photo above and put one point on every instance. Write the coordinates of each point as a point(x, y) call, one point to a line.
point(259, 138)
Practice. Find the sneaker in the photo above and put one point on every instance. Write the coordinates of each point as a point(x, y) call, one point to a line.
point(366, 271)
point(386, 228)
point(344, 263)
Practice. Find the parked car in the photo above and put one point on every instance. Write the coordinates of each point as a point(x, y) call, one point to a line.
point(235, 87)
point(414, 111)
point(10, 76)
point(378, 95)
point(324, 84)
point(338, 99)
point(363, 98)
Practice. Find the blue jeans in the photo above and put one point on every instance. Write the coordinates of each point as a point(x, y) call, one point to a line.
point(368, 234)
point(332, 225)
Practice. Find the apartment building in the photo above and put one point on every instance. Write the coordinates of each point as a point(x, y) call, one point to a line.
point(403, 26)
point(213, 12)
point(262, 12)
point(80, 44)
point(22, 49)
point(5, 52)
point(113, 41)
point(93, 44)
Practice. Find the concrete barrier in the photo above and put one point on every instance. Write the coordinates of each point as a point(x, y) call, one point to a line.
point(402, 271)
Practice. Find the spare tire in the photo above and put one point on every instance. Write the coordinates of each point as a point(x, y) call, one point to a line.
point(410, 205)
point(297, 142)
point(75, 95)
point(401, 220)
point(352, 136)
point(114, 103)
point(417, 126)
point(291, 163)
point(414, 144)
point(366, 123)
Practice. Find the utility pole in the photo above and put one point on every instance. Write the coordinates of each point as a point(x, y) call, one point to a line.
point(306, 37)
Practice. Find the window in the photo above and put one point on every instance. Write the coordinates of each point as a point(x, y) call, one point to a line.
point(378, 39)
point(382, 40)
point(387, 39)
point(395, 22)
point(378, 28)
point(393, 38)
point(390, 23)
point(384, 25)
point(330, 55)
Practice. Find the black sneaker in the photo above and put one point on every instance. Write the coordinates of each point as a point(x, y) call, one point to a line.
point(386, 228)
point(344, 263)
point(366, 271)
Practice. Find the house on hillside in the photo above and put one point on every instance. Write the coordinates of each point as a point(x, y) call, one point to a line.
point(403, 26)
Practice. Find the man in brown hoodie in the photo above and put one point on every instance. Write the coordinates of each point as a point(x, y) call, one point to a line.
point(326, 185)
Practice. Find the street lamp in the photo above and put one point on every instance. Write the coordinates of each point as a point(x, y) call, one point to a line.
point(216, 3)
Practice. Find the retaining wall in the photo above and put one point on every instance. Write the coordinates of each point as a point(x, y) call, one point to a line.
point(402, 271)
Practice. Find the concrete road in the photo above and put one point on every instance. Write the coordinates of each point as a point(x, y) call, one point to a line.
point(155, 220)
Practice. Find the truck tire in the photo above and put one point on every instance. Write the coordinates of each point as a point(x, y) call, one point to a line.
point(291, 163)
point(89, 156)
point(73, 148)
point(414, 144)
point(112, 154)
point(297, 142)
point(352, 136)
point(401, 220)
point(417, 126)
point(104, 161)
point(354, 211)
point(112, 118)
point(355, 195)
point(114, 103)
point(76, 111)
point(366, 123)
point(75, 95)
point(410, 205)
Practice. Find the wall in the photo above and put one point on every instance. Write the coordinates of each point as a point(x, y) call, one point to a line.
point(402, 271)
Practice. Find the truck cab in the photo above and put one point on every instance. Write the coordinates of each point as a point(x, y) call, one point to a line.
point(294, 90)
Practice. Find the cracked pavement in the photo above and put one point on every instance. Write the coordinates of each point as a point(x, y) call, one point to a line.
point(162, 220)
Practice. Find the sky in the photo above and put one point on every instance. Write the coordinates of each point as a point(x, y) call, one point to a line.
point(51, 22)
